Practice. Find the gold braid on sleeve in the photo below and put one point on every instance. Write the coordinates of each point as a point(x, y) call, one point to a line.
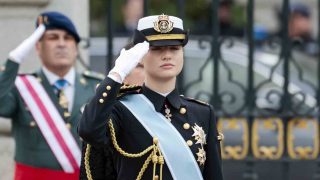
point(86, 162)
point(155, 155)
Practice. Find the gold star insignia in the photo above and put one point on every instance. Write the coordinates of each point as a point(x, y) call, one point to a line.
point(199, 135)
point(201, 156)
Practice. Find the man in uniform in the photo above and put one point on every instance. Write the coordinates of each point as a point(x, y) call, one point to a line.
point(156, 133)
point(45, 106)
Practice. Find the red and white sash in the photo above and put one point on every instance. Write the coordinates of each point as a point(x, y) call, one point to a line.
point(50, 122)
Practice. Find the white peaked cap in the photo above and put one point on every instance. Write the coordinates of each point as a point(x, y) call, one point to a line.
point(148, 22)
point(161, 30)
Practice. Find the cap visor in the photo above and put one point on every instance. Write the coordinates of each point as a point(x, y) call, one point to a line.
point(170, 42)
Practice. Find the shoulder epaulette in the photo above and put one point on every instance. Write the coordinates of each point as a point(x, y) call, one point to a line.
point(31, 74)
point(195, 100)
point(128, 89)
point(28, 74)
point(93, 75)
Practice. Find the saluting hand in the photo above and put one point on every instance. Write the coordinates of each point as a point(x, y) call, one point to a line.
point(20, 52)
point(128, 60)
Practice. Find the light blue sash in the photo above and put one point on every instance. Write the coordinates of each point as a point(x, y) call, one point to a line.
point(177, 154)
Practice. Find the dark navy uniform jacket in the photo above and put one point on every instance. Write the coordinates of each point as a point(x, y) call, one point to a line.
point(133, 138)
point(99, 162)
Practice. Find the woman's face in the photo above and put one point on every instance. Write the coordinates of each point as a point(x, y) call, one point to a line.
point(163, 62)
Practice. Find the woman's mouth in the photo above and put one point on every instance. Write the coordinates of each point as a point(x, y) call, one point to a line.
point(167, 66)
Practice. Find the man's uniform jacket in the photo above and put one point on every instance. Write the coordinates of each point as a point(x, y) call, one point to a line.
point(31, 148)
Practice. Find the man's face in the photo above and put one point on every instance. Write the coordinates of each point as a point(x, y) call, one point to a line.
point(57, 49)
point(164, 62)
point(136, 76)
point(299, 26)
point(133, 11)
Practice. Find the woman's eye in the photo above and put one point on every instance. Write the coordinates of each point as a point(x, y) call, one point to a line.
point(155, 49)
point(175, 48)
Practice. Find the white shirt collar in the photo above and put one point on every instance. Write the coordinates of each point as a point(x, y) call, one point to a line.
point(164, 94)
point(70, 77)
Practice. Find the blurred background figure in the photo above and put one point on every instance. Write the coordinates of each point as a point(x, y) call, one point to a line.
point(300, 22)
point(230, 17)
point(226, 19)
point(132, 11)
point(300, 28)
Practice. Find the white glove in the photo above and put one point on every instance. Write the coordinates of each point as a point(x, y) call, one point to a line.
point(20, 52)
point(128, 60)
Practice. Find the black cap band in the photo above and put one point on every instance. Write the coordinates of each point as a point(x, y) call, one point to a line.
point(175, 37)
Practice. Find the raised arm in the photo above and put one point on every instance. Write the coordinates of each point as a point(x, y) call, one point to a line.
point(93, 124)
point(10, 71)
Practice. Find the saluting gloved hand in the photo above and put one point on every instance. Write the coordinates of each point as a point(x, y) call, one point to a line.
point(128, 60)
point(20, 52)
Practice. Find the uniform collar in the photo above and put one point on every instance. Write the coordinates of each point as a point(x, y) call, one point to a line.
point(158, 99)
point(52, 78)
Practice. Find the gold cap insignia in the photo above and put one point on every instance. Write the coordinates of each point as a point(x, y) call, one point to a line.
point(163, 24)
point(43, 20)
point(40, 20)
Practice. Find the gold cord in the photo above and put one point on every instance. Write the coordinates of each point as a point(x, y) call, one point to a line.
point(153, 155)
point(154, 160)
point(144, 167)
point(86, 162)
point(161, 162)
point(120, 150)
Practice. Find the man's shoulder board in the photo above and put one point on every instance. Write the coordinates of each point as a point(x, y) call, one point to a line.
point(28, 74)
point(195, 100)
point(93, 75)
